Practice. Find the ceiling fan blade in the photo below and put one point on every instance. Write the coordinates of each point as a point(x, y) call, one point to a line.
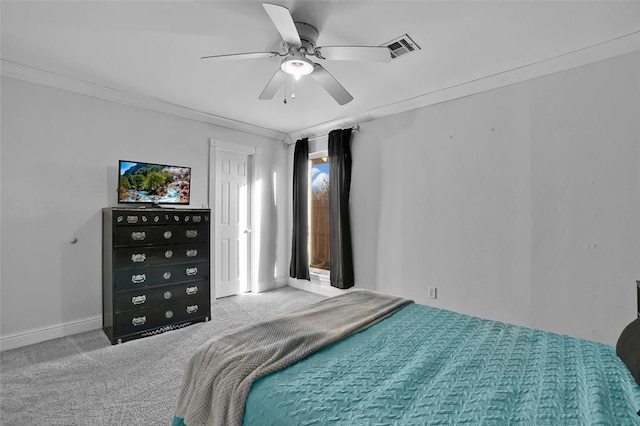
point(236, 56)
point(283, 21)
point(330, 84)
point(273, 85)
point(355, 53)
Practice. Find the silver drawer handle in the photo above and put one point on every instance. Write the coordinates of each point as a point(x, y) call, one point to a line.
point(168, 314)
point(192, 271)
point(192, 290)
point(168, 254)
point(137, 279)
point(192, 233)
point(139, 300)
point(167, 235)
point(132, 219)
point(192, 309)
point(166, 275)
point(197, 218)
point(192, 253)
point(137, 258)
point(138, 236)
point(138, 321)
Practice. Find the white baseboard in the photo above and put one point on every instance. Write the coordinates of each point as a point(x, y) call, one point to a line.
point(272, 285)
point(29, 337)
point(316, 287)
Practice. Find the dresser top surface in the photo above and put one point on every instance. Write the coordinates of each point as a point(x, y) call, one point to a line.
point(141, 209)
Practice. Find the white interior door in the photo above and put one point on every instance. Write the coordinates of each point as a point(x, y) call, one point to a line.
point(232, 207)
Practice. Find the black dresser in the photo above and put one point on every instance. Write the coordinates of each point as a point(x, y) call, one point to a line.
point(155, 274)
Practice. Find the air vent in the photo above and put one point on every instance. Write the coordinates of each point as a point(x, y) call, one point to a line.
point(401, 46)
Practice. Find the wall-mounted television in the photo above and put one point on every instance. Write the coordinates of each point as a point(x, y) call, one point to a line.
point(151, 183)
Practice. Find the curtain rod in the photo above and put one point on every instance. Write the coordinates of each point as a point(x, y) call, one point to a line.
point(355, 128)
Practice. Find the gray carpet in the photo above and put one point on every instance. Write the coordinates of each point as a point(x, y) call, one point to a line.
point(84, 380)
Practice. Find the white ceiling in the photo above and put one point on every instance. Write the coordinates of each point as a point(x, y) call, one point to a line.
point(153, 48)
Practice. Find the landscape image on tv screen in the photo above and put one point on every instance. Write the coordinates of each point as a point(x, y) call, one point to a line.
point(153, 183)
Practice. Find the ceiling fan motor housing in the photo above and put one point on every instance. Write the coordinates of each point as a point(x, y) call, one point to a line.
point(308, 36)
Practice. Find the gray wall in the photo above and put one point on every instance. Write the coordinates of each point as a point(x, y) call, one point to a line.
point(519, 204)
point(60, 153)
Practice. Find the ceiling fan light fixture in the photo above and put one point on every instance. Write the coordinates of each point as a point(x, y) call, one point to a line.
point(296, 65)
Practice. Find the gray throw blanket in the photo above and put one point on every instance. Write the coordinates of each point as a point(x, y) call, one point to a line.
point(220, 373)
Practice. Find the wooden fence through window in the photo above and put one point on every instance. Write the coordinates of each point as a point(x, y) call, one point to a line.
point(320, 256)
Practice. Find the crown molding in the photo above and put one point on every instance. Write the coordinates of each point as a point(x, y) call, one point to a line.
point(46, 78)
point(598, 52)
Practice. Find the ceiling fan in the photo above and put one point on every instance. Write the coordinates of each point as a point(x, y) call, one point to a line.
point(298, 42)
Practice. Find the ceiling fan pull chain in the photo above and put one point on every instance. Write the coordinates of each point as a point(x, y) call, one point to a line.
point(293, 88)
point(285, 91)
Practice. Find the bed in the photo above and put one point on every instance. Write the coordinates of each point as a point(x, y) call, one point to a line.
point(404, 364)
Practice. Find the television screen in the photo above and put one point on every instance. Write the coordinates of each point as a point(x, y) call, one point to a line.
point(153, 183)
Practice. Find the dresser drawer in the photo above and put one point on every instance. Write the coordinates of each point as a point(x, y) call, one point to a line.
point(136, 278)
point(196, 292)
point(154, 217)
point(160, 234)
point(137, 320)
point(152, 255)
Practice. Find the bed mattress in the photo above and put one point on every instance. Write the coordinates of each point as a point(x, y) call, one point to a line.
point(424, 365)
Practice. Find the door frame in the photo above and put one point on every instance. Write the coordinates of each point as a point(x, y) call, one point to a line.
point(253, 152)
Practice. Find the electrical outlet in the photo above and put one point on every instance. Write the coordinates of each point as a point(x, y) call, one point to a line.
point(433, 292)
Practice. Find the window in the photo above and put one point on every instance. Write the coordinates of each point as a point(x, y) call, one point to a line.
point(319, 255)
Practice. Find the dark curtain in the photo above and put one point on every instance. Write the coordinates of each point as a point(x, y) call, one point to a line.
point(299, 267)
point(339, 221)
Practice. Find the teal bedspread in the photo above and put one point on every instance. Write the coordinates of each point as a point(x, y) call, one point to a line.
point(425, 365)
